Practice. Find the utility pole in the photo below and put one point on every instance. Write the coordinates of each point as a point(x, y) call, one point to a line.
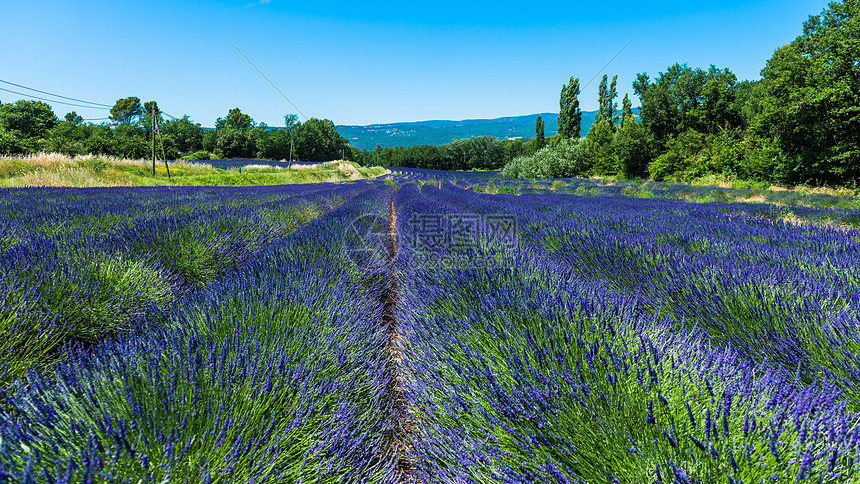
point(152, 131)
point(163, 154)
point(155, 131)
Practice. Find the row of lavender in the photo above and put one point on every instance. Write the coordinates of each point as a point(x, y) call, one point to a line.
point(269, 370)
point(624, 340)
point(789, 204)
point(76, 264)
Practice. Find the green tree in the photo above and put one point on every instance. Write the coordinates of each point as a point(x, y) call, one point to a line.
point(11, 144)
point(540, 140)
point(31, 119)
point(74, 118)
point(126, 110)
point(599, 145)
point(812, 104)
point(318, 140)
point(607, 106)
point(130, 143)
point(235, 119)
point(634, 148)
point(235, 143)
point(188, 135)
point(684, 151)
point(68, 136)
point(683, 98)
point(291, 122)
point(749, 100)
point(569, 115)
point(626, 111)
point(717, 107)
point(210, 137)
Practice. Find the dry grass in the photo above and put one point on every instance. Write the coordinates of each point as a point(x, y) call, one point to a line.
point(57, 170)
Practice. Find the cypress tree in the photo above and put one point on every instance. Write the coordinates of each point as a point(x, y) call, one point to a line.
point(626, 110)
point(540, 140)
point(606, 95)
point(569, 114)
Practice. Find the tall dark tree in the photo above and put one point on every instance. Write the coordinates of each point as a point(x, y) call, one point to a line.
point(626, 111)
point(125, 110)
point(540, 139)
point(32, 119)
point(151, 106)
point(607, 107)
point(569, 114)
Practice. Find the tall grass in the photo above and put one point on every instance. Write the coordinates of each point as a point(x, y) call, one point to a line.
point(55, 170)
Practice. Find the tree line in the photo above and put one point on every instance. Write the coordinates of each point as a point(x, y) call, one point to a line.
point(31, 126)
point(799, 124)
point(477, 153)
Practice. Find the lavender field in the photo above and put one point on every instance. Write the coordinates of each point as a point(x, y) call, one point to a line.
point(411, 330)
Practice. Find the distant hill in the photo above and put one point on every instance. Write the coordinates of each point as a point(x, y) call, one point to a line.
point(438, 132)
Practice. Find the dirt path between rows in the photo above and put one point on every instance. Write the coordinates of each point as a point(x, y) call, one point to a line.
point(401, 419)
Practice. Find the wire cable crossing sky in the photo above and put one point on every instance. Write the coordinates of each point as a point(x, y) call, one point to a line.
point(373, 62)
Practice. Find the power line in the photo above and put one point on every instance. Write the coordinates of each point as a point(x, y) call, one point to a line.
point(319, 130)
point(49, 100)
point(52, 94)
point(266, 78)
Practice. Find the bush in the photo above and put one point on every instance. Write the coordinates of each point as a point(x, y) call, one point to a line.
point(568, 158)
point(683, 160)
point(665, 166)
point(598, 143)
point(10, 144)
point(763, 161)
point(573, 159)
point(236, 144)
point(513, 168)
point(197, 155)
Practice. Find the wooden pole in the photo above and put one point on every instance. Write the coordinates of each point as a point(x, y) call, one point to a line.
point(152, 129)
point(163, 155)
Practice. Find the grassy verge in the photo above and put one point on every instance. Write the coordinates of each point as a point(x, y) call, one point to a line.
point(54, 170)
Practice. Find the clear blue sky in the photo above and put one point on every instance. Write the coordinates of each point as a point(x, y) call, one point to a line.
point(373, 62)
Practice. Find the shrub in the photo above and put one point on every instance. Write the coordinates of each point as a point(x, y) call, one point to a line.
point(568, 158)
point(513, 168)
point(236, 144)
point(13, 144)
point(665, 166)
point(763, 160)
point(197, 155)
point(634, 148)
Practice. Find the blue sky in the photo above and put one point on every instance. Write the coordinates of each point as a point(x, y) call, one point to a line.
point(373, 62)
